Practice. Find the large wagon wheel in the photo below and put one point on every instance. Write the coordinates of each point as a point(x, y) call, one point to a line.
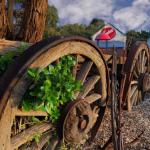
point(95, 87)
point(137, 69)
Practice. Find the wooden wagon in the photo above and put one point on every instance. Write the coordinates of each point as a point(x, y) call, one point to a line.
point(81, 119)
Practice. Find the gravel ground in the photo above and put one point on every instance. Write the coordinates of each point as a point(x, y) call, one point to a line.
point(134, 123)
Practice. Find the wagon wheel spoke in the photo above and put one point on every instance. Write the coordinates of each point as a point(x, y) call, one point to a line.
point(88, 86)
point(143, 65)
point(85, 68)
point(145, 62)
point(134, 82)
point(133, 90)
point(140, 62)
point(140, 96)
point(75, 67)
point(137, 68)
point(135, 74)
point(134, 97)
point(92, 98)
point(83, 72)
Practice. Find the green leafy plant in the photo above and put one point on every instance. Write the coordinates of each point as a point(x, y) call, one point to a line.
point(36, 137)
point(7, 58)
point(52, 87)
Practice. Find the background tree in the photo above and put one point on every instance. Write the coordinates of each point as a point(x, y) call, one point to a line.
point(95, 25)
point(10, 17)
point(3, 20)
point(133, 36)
point(98, 23)
point(51, 17)
point(34, 20)
point(73, 29)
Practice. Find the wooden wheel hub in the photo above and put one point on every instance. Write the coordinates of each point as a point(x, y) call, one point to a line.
point(78, 122)
point(83, 123)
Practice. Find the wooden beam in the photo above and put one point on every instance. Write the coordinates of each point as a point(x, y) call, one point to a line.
point(28, 134)
point(19, 112)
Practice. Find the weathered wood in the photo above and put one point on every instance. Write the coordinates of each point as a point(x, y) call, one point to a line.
point(92, 98)
point(134, 82)
point(5, 127)
point(44, 57)
point(53, 144)
point(19, 112)
point(134, 97)
point(6, 45)
point(84, 71)
point(133, 89)
point(88, 85)
point(28, 134)
point(74, 69)
point(42, 141)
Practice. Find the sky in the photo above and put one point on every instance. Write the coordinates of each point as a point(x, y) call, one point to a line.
point(124, 14)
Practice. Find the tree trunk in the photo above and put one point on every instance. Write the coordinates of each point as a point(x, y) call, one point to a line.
point(3, 20)
point(10, 17)
point(34, 20)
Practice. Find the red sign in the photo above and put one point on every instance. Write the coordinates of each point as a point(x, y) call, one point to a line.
point(107, 33)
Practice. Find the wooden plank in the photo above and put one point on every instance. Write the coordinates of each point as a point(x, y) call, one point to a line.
point(54, 143)
point(19, 112)
point(28, 134)
point(87, 87)
point(6, 45)
point(92, 98)
point(42, 141)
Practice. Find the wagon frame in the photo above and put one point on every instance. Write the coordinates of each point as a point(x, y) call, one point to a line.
point(99, 72)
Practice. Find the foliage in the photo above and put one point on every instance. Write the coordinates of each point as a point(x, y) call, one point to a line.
point(51, 32)
point(93, 27)
point(73, 29)
point(133, 36)
point(52, 87)
point(143, 35)
point(51, 22)
point(7, 58)
point(36, 137)
point(51, 17)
